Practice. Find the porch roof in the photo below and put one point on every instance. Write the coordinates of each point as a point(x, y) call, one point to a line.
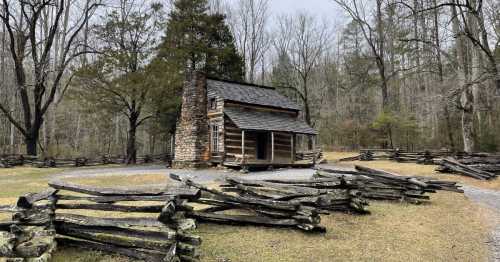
point(267, 121)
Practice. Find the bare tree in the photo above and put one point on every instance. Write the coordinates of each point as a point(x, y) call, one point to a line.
point(472, 46)
point(309, 42)
point(373, 32)
point(248, 22)
point(22, 22)
point(118, 80)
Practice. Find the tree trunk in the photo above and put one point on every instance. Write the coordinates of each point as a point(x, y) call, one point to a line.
point(152, 143)
point(307, 110)
point(468, 119)
point(449, 127)
point(131, 146)
point(381, 56)
point(31, 144)
point(467, 99)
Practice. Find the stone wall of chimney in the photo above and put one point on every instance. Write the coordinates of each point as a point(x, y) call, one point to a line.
point(192, 133)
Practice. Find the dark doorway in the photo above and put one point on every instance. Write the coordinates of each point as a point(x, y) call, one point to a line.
point(262, 145)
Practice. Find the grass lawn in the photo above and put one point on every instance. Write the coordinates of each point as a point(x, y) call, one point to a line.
point(450, 228)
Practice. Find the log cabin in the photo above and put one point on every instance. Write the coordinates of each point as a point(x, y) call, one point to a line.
point(238, 125)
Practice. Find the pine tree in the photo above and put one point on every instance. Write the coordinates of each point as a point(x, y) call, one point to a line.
point(196, 40)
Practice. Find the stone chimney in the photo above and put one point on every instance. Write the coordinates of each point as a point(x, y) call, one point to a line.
point(191, 136)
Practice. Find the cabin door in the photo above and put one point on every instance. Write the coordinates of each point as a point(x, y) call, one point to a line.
point(262, 140)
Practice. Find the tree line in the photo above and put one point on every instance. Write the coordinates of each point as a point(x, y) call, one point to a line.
point(86, 77)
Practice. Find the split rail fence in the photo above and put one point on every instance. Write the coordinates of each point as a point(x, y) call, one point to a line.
point(150, 227)
point(155, 223)
point(483, 166)
point(7, 161)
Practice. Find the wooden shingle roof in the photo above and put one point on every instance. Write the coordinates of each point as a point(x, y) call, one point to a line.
point(267, 121)
point(250, 94)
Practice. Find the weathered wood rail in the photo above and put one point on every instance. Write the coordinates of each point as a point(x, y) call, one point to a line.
point(421, 157)
point(155, 229)
point(30, 234)
point(483, 170)
point(300, 202)
point(483, 166)
point(7, 161)
point(153, 223)
point(255, 211)
point(377, 184)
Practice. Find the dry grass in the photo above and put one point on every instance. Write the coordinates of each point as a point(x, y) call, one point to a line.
point(22, 180)
point(393, 232)
point(335, 156)
point(451, 228)
point(130, 180)
point(412, 169)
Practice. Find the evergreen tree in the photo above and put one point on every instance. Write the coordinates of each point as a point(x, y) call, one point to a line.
point(196, 40)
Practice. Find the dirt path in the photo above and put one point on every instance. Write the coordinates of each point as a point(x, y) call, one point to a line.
point(204, 176)
point(491, 199)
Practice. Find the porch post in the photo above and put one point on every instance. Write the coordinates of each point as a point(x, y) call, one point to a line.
point(292, 155)
point(243, 145)
point(272, 147)
point(314, 148)
point(172, 146)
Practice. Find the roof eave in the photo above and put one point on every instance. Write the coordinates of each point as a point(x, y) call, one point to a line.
point(295, 110)
point(281, 131)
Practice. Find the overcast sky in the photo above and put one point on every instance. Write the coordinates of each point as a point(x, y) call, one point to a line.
point(322, 8)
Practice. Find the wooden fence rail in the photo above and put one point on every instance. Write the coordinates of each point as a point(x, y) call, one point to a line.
point(483, 166)
point(157, 231)
point(153, 223)
point(7, 161)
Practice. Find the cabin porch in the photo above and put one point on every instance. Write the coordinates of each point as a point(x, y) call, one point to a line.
point(260, 149)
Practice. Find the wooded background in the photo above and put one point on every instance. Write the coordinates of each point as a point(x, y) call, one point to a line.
point(92, 77)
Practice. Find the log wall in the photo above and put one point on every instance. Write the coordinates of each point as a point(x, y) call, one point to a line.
point(216, 118)
point(232, 144)
point(232, 141)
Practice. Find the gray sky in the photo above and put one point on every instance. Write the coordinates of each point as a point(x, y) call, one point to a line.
point(323, 9)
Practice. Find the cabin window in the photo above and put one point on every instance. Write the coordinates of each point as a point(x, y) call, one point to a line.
point(213, 104)
point(215, 138)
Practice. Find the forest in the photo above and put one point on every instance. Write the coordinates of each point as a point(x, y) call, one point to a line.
point(97, 77)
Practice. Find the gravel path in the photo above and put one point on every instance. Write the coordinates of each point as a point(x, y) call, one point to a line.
point(204, 176)
point(491, 199)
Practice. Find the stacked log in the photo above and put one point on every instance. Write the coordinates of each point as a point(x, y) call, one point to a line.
point(30, 235)
point(312, 156)
point(381, 185)
point(476, 165)
point(426, 157)
point(484, 162)
point(50, 162)
point(7, 161)
point(255, 210)
point(366, 155)
point(324, 194)
point(4, 164)
point(467, 168)
point(154, 230)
